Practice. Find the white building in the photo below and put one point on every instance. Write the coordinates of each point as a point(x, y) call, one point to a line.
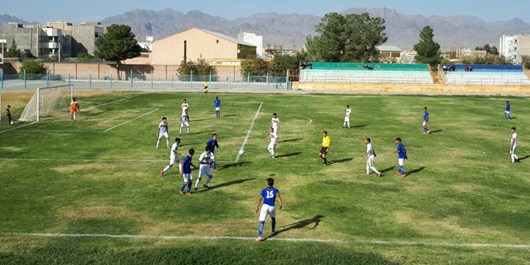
point(147, 43)
point(253, 39)
point(508, 47)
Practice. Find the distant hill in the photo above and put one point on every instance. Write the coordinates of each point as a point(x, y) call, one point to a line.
point(5, 18)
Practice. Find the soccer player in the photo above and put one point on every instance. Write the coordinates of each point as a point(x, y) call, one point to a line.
point(173, 157)
point(205, 87)
point(162, 131)
point(402, 155)
point(268, 196)
point(274, 141)
point(74, 108)
point(324, 147)
point(507, 110)
point(185, 172)
point(347, 117)
point(9, 114)
point(185, 106)
point(212, 143)
point(513, 145)
point(205, 160)
point(217, 104)
point(185, 122)
point(370, 156)
point(275, 123)
point(425, 121)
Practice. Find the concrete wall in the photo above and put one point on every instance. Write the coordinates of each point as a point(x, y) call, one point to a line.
point(523, 47)
point(25, 38)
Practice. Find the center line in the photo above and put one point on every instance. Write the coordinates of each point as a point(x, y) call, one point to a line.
point(242, 148)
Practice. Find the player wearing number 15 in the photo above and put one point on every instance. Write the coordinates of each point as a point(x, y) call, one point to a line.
point(268, 196)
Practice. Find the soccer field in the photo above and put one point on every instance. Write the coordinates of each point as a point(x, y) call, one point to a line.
point(90, 191)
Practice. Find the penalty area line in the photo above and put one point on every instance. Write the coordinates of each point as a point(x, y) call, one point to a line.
point(123, 123)
point(242, 148)
point(371, 242)
point(12, 129)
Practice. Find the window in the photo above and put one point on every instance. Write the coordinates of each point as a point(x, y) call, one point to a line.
point(217, 41)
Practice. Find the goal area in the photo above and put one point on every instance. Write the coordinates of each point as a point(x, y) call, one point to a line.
point(48, 102)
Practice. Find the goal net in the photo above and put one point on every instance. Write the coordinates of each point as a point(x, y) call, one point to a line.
point(48, 102)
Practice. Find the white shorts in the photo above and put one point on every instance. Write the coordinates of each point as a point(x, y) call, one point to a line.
point(513, 149)
point(507, 112)
point(275, 127)
point(187, 177)
point(401, 161)
point(266, 210)
point(163, 135)
point(185, 124)
point(347, 119)
point(217, 108)
point(424, 123)
point(173, 159)
point(271, 145)
point(370, 161)
point(204, 170)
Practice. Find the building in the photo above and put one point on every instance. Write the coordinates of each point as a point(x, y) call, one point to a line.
point(253, 39)
point(514, 47)
point(389, 53)
point(409, 56)
point(195, 44)
point(146, 43)
point(82, 37)
point(34, 40)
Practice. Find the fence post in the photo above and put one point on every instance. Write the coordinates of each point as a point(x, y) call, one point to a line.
point(1, 81)
point(191, 79)
point(25, 79)
point(248, 79)
point(152, 78)
point(131, 77)
point(110, 80)
point(210, 77)
point(267, 79)
point(69, 80)
point(47, 78)
point(287, 80)
point(230, 81)
point(171, 81)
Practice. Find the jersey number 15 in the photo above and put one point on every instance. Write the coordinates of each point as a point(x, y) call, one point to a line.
point(270, 194)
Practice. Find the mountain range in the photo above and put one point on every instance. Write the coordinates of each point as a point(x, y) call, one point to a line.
point(290, 30)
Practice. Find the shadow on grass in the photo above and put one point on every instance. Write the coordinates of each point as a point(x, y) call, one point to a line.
point(359, 126)
point(387, 169)
point(229, 115)
point(524, 157)
point(340, 161)
point(298, 225)
point(436, 131)
point(291, 140)
point(238, 164)
point(414, 171)
point(289, 155)
point(226, 184)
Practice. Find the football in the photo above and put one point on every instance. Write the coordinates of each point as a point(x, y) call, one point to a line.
point(241, 151)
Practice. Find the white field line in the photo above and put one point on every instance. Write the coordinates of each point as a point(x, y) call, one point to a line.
point(91, 160)
point(123, 123)
point(12, 129)
point(114, 101)
point(242, 148)
point(310, 120)
point(374, 242)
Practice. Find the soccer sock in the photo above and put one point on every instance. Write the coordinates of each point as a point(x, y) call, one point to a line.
point(167, 143)
point(189, 187)
point(273, 223)
point(183, 186)
point(208, 180)
point(325, 160)
point(197, 182)
point(180, 130)
point(158, 143)
point(188, 130)
point(401, 170)
point(375, 170)
point(214, 165)
point(167, 168)
point(260, 229)
point(367, 169)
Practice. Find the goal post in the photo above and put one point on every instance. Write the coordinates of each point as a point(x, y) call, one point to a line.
point(48, 102)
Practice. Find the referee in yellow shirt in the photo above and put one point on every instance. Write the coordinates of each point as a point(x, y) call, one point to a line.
point(324, 147)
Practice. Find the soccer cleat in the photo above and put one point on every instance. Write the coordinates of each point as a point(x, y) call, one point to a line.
point(259, 239)
point(196, 188)
point(215, 170)
point(162, 173)
point(181, 193)
point(379, 174)
point(403, 176)
point(189, 193)
point(205, 186)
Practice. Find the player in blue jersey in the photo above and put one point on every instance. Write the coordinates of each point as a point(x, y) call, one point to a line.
point(268, 196)
point(186, 172)
point(217, 104)
point(507, 111)
point(402, 155)
point(212, 143)
point(425, 121)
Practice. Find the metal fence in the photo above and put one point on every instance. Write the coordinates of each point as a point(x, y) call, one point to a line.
point(143, 81)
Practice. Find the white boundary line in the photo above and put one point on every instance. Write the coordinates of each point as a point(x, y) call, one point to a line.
point(12, 129)
point(114, 101)
point(376, 242)
point(310, 120)
point(91, 160)
point(242, 148)
point(123, 123)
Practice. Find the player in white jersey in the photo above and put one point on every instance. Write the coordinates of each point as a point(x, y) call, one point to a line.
point(185, 122)
point(173, 157)
point(275, 123)
point(162, 131)
point(347, 117)
point(185, 106)
point(370, 156)
point(513, 145)
point(273, 142)
point(205, 161)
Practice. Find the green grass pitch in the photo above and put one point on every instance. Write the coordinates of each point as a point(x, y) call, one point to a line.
point(463, 202)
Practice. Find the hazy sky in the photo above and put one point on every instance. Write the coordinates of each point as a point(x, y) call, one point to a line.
point(95, 10)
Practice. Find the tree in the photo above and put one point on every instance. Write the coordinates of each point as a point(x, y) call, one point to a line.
point(526, 61)
point(489, 49)
point(348, 38)
point(13, 51)
point(281, 63)
point(428, 50)
point(253, 67)
point(117, 44)
point(34, 69)
point(201, 70)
